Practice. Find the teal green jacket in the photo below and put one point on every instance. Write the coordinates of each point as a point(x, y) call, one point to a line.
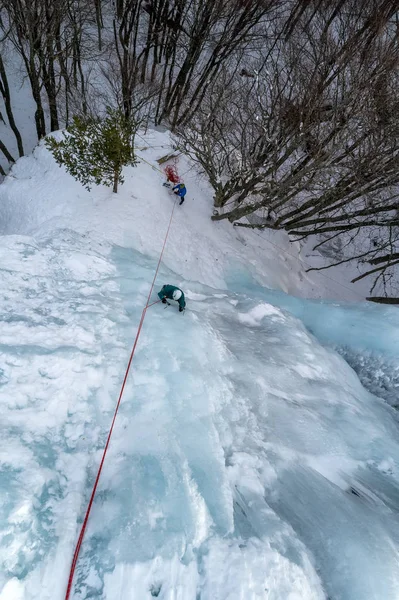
point(167, 292)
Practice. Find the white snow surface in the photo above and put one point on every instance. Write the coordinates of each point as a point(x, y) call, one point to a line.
point(249, 460)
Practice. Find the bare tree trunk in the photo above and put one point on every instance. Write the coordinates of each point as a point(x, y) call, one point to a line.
point(383, 300)
point(120, 7)
point(46, 55)
point(6, 153)
point(40, 121)
point(5, 92)
point(50, 87)
point(149, 41)
point(99, 22)
point(82, 80)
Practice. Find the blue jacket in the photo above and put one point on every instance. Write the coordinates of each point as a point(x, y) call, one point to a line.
point(167, 292)
point(181, 189)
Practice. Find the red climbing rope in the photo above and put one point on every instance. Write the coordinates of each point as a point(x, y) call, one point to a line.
point(84, 524)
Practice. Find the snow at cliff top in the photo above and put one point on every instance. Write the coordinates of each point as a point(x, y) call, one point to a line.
point(256, 451)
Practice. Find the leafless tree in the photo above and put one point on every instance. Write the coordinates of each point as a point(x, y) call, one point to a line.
point(180, 45)
point(213, 34)
point(311, 136)
point(51, 37)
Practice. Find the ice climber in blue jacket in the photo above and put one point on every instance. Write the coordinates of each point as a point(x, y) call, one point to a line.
point(180, 190)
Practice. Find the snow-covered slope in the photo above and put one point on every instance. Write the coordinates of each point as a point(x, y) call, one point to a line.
point(39, 196)
point(247, 462)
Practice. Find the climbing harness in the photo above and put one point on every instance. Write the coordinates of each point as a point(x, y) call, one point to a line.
point(86, 518)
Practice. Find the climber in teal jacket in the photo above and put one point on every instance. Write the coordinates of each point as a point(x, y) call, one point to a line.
point(173, 293)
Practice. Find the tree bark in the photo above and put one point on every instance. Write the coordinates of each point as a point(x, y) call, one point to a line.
point(116, 181)
point(387, 258)
point(383, 300)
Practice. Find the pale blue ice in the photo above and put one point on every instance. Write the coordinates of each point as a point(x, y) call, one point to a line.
point(248, 460)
